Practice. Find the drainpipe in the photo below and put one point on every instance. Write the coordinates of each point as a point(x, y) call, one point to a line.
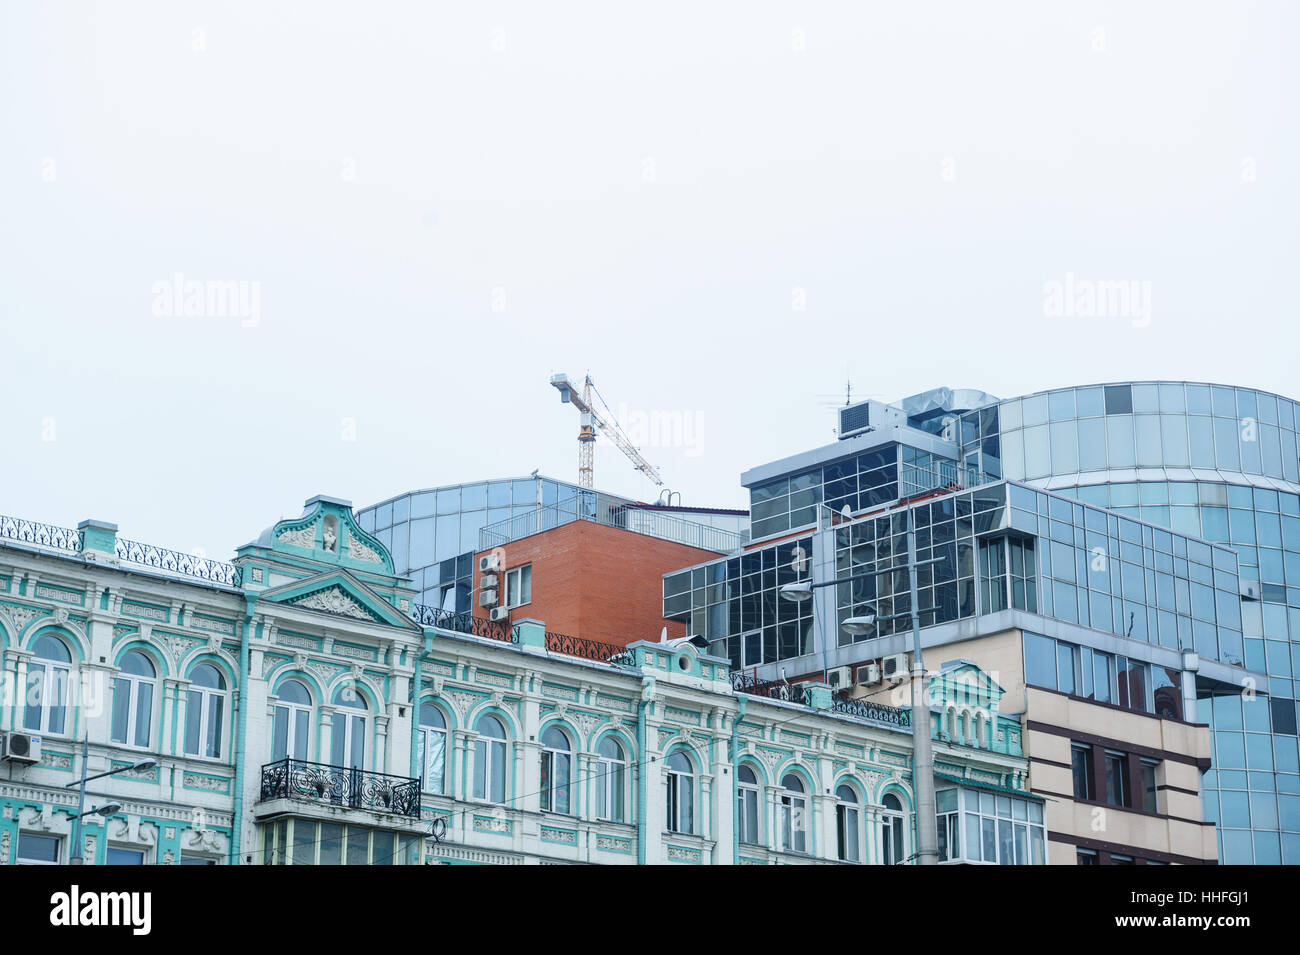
point(642, 823)
point(241, 729)
point(743, 701)
point(425, 647)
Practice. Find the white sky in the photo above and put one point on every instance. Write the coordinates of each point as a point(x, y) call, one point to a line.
point(646, 185)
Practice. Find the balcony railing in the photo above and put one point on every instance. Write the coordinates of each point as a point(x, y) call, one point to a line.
point(174, 562)
point(586, 649)
point(743, 682)
point(878, 713)
point(464, 622)
point(340, 786)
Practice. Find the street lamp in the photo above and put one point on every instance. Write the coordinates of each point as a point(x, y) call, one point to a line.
point(106, 810)
point(923, 760)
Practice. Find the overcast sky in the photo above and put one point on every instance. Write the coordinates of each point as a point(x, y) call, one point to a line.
point(721, 210)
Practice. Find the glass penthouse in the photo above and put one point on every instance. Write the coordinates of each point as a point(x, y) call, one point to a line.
point(1134, 521)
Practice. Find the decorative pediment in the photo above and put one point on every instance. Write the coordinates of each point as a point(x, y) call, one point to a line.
point(328, 532)
point(340, 594)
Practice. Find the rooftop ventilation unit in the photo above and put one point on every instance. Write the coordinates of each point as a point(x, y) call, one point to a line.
point(869, 416)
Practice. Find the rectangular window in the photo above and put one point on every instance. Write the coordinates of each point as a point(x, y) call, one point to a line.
point(116, 856)
point(1081, 763)
point(35, 849)
point(1117, 787)
point(519, 586)
point(1149, 785)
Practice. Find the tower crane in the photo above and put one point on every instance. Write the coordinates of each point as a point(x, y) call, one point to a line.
point(609, 427)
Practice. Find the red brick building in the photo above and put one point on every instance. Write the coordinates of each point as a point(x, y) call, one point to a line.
point(590, 580)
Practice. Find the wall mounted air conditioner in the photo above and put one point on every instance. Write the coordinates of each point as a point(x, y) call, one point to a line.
point(894, 668)
point(487, 598)
point(20, 748)
point(839, 678)
point(488, 582)
point(869, 416)
point(499, 614)
point(868, 674)
point(489, 563)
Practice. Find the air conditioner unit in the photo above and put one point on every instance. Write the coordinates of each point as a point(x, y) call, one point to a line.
point(489, 563)
point(839, 678)
point(869, 674)
point(1249, 589)
point(20, 748)
point(869, 416)
point(499, 614)
point(488, 582)
point(894, 668)
point(487, 598)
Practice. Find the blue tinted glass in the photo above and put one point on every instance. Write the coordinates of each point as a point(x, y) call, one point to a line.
point(1089, 402)
point(473, 496)
point(1060, 405)
point(1119, 440)
point(1171, 398)
point(1119, 399)
point(498, 494)
point(1226, 444)
point(1225, 401)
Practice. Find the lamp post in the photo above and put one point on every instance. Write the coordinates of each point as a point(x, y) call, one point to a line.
point(108, 809)
point(922, 752)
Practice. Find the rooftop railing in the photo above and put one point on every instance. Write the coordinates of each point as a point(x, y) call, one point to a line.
point(638, 520)
point(42, 535)
point(463, 622)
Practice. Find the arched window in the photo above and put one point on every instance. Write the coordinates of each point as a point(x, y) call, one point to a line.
point(433, 747)
point(291, 721)
point(556, 763)
point(49, 679)
point(205, 711)
point(490, 760)
point(133, 692)
point(348, 733)
point(681, 792)
point(846, 823)
point(794, 815)
point(612, 782)
point(891, 831)
point(747, 801)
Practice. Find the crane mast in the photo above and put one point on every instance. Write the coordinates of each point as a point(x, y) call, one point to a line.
point(591, 420)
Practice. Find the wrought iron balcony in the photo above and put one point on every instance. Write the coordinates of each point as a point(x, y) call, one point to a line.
point(878, 713)
point(340, 786)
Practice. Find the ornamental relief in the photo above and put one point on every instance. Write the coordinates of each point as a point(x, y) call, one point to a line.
point(335, 601)
point(22, 616)
point(303, 537)
point(359, 551)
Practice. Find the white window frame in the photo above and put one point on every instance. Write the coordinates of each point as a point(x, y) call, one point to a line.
point(794, 817)
point(488, 750)
point(515, 597)
point(555, 786)
point(611, 785)
point(893, 834)
point(675, 780)
point(206, 694)
point(427, 734)
point(846, 850)
point(293, 712)
point(49, 669)
point(132, 682)
point(755, 791)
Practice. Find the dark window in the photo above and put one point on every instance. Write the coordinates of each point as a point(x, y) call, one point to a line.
point(1119, 399)
point(1086, 857)
point(1283, 715)
point(1040, 661)
point(1081, 762)
point(1149, 785)
point(1117, 787)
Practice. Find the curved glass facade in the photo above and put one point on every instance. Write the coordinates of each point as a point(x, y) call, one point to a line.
point(1220, 463)
point(433, 533)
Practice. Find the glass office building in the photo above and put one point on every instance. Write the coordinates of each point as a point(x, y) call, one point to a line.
point(1216, 462)
point(1190, 491)
point(433, 533)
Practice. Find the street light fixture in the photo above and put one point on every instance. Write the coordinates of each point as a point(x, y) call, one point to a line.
point(923, 759)
point(104, 811)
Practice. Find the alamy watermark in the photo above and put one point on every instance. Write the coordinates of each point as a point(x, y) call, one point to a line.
point(1092, 298)
point(221, 298)
point(663, 429)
